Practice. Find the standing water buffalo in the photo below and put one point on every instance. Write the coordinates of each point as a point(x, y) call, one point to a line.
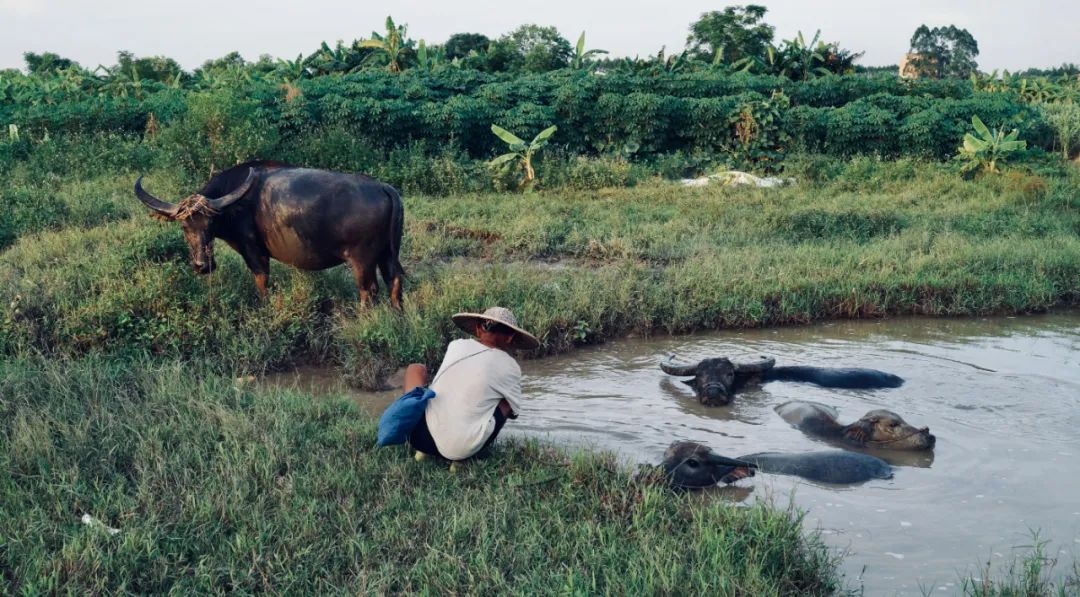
point(310, 219)
point(716, 380)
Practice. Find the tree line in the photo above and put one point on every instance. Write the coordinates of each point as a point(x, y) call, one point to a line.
point(735, 39)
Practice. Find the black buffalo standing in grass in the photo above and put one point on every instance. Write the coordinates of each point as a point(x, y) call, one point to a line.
point(310, 219)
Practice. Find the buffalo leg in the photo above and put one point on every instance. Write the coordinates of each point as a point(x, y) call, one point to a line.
point(260, 267)
point(366, 284)
point(391, 274)
point(260, 284)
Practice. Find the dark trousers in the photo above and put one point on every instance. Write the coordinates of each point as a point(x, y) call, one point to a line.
point(421, 439)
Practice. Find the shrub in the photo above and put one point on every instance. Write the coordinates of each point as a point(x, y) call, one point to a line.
point(1065, 118)
point(588, 173)
point(219, 129)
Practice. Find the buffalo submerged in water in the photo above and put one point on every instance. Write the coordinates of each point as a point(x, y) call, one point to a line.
point(692, 465)
point(310, 219)
point(716, 380)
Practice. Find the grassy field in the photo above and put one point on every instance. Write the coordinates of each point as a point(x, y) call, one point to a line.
point(862, 238)
point(117, 399)
point(218, 488)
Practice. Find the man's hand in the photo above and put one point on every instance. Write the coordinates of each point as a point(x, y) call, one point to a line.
point(504, 408)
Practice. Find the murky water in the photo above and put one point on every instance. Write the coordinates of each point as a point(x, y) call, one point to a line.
point(1002, 395)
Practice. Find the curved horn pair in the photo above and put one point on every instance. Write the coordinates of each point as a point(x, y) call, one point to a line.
point(758, 365)
point(169, 209)
point(672, 368)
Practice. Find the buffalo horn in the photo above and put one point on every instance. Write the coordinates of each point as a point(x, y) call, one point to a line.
point(714, 458)
point(162, 207)
point(758, 365)
point(672, 368)
point(223, 202)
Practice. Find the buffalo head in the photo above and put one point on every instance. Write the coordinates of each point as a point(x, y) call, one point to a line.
point(886, 429)
point(196, 215)
point(693, 466)
point(715, 380)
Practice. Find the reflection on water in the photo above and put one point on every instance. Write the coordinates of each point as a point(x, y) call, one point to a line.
point(1002, 395)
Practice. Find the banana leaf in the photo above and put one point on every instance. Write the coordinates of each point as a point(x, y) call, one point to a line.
point(510, 138)
point(973, 145)
point(981, 128)
point(1011, 145)
point(506, 157)
point(544, 134)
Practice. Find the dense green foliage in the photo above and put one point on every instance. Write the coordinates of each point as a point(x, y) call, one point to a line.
point(731, 35)
point(944, 51)
point(450, 112)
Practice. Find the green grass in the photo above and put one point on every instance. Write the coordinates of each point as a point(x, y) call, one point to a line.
point(1026, 576)
point(871, 239)
point(216, 488)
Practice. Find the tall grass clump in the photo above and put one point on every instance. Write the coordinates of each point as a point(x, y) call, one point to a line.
point(1030, 575)
point(214, 486)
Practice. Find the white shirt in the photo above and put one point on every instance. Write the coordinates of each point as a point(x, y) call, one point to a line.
point(471, 380)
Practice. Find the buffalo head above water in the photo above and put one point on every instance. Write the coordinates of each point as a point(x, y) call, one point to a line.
point(691, 465)
point(716, 380)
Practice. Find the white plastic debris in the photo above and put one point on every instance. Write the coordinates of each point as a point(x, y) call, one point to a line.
point(733, 178)
point(97, 524)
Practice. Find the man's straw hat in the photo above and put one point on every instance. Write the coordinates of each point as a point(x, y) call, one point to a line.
point(522, 340)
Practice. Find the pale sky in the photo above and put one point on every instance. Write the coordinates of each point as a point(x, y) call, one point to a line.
point(1011, 34)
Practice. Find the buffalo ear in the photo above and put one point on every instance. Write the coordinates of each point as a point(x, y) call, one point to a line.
point(691, 382)
point(157, 215)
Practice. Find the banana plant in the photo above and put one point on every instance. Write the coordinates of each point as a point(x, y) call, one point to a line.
point(116, 82)
point(986, 148)
point(394, 44)
point(429, 58)
point(798, 60)
point(581, 56)
point(521, 151)
point(291, 71)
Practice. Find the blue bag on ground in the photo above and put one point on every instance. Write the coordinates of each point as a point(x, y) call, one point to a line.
point(399, 419)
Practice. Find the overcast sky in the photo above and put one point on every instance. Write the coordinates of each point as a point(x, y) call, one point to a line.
point(1011, 34)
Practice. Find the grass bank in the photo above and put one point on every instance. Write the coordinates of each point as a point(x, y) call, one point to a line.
point(858, 238)
point(215, 487)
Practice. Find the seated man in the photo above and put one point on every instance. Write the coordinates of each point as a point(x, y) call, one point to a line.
point(477, 387)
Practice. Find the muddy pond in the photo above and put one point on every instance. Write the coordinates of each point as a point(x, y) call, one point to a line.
point(1002, 395)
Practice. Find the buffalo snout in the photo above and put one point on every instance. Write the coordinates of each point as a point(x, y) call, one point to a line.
point(204, 267)
point(714, 393)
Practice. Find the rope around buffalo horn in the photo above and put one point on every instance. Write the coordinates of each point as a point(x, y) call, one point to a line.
point(192, 205)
